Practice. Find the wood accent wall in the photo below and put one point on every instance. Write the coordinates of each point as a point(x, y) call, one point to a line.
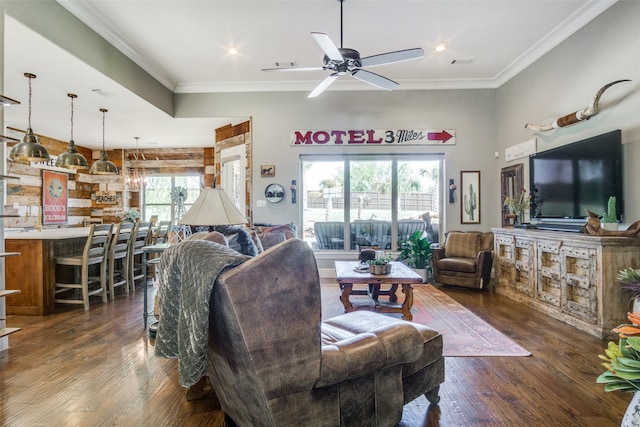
point(226, 137)
point(164, 161)
point(80, 186)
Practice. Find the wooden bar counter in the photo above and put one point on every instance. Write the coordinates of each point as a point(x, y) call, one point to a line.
point(33, 271)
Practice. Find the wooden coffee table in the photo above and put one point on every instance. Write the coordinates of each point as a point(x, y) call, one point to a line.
point(400, 274)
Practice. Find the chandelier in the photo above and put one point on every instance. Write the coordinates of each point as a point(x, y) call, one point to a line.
point(135, 176)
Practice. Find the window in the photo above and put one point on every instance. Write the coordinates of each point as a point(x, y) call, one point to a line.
point(352, 202)
point(170, 197)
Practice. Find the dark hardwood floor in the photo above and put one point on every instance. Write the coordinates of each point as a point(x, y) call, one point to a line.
point(77, 368)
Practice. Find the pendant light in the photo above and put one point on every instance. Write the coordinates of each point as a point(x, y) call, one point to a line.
point(71, 159)
point(29, 150)
point(135, 179)
point(103, 166)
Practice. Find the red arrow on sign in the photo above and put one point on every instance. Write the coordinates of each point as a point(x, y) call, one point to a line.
point(443, 136)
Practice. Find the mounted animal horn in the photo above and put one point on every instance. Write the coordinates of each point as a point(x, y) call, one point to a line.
point(578, 116)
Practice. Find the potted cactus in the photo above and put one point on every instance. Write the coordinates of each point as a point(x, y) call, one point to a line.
point(609, 218)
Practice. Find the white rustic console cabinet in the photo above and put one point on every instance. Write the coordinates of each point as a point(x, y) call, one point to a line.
point(569, 276)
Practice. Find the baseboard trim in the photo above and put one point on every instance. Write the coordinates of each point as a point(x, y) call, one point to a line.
point(327, 273)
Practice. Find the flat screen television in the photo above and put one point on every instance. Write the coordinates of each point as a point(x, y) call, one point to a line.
point(578, 176)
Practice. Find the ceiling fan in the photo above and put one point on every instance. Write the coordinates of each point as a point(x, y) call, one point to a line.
point(342, 60)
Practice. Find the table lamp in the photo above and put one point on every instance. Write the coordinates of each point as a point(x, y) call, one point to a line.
point(213, 207)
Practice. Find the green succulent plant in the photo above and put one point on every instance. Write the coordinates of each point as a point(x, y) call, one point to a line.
point(416, 251)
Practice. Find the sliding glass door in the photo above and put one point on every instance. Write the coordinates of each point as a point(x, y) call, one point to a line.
point(353, 202)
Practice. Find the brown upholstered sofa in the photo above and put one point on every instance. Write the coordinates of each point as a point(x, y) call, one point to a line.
point(465, 259)
point(273, 362)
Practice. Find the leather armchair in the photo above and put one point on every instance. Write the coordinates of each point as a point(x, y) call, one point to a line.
point(272, 361)
point(465, 260)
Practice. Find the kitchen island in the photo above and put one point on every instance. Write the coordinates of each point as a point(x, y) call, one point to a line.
point(33, 271)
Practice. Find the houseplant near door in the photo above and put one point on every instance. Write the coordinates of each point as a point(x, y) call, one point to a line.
point(416, 253)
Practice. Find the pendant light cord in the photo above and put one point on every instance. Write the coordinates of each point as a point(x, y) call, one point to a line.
point(30, 102)
point(71, 116)
point(103, 119)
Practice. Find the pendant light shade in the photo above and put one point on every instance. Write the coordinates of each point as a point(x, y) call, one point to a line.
point(103, 166)
point(71, 159)
point(29, 150)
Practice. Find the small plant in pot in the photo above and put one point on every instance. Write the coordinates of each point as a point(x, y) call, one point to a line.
point(610, 218)
point(416, 252)
point(380, 265)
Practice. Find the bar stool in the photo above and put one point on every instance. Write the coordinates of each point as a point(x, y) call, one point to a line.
point(140, 239)
point(162, 233)
point(94, 253)
point(119, 257)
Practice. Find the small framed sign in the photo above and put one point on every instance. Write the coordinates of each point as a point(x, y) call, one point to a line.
point(54, 197)
point(267, 171)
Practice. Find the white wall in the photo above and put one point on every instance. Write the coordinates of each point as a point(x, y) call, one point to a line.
point(566, 79)
point(486, 121)
point(274, 115)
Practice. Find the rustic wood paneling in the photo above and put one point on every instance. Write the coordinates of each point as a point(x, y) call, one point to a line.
point(232, 136)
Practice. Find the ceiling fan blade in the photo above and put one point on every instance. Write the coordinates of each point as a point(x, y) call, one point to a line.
point(323, 85)
point(328, 47)
point(375, 79)
point(391, 57)
point(294, 69)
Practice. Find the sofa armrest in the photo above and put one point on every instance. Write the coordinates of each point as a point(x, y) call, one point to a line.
point(482, 258)
point(437, 254)
point(368, 352)
point(484, 263)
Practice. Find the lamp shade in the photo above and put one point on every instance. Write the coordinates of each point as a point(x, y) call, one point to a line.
point(103, 166)
point(29, 150)
point(213, 207)
point(71, 159)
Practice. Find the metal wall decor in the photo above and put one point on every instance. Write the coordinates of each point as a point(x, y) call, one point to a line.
point(274, 193)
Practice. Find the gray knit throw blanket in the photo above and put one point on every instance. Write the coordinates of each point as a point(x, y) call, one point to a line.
point(187, 273)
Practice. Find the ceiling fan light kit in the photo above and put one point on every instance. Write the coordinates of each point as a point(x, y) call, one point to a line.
point(341, 61)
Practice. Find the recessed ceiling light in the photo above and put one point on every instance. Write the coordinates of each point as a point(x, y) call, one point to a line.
point(233, 51)
point(441, 47)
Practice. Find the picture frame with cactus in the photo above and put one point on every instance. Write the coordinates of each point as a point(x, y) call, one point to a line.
point(470, 197)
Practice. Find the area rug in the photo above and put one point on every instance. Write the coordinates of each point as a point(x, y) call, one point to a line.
point(464, 334)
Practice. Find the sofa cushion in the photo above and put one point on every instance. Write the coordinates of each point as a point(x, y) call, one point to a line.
point(212, 236)
point(271, 239)
point(290, 230)
point(348, 325)
point(463, 265)
point(461, 244)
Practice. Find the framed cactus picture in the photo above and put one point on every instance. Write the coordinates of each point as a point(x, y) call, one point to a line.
point(470, 200)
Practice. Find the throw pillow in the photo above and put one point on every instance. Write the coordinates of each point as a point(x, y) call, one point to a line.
point(463, 245)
